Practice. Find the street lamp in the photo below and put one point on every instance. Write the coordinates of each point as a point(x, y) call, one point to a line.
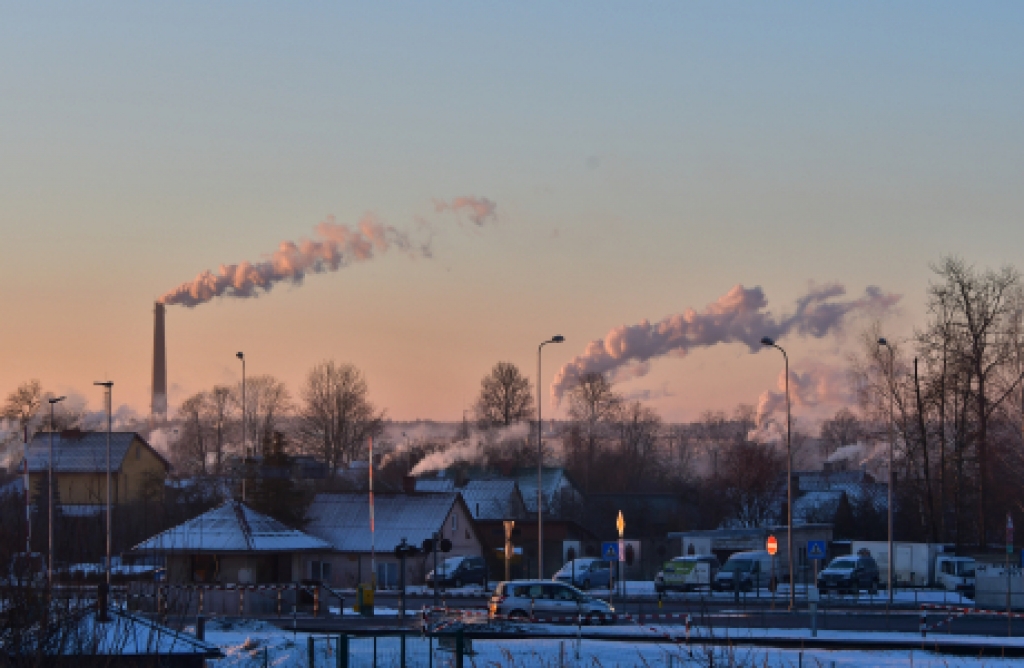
point(109, 385)
point(245, 435)
point(540, 462)
point(49, 484)
point(892, 447)
point(766, 341)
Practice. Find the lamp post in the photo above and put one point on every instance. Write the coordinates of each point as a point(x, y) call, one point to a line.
point(540, 463)
point(766, 341)
point(49, 484)
point(245, 434)
point(892, 447)
point(109, 385)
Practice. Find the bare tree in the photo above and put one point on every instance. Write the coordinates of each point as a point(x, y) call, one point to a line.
point(336, 416)
point(841, 429)
point(505, 397)
point(267, 401)
point(192, 441)
point(219, 410)
point(639, 431)
point(22, 407)
point(753, 478)
point(593, 406)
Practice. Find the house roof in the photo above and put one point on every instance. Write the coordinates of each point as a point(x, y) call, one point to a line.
point(551, 482)
point(85, 452)
point(344, 519)
point(817, 506)
point(232, 527)
point(435, 485)
point(492, 499)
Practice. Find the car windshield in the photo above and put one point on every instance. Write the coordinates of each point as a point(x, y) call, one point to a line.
point(738, 565)
point(844, 564)
point(579, 565)
point(449, 565)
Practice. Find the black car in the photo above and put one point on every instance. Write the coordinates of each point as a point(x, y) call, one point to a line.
point(460, 571)
point(850, 574)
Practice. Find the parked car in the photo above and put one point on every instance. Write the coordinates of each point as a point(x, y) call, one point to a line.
point(749, 570)
point(686, 573)
point(523, 599)
point(588, 571)
point(850, 573)
point(459, 571)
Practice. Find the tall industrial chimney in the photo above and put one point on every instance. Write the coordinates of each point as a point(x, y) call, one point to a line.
point(159, 406)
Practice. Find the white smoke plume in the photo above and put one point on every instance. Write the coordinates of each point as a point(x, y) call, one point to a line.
point(739, 316)
point(472, 449)
point(478, 209)
point(818, 385)
point(334, 246)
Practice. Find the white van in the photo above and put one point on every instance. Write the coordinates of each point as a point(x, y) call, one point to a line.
point(753, 570)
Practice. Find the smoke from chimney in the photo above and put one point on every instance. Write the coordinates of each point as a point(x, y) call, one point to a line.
point(739, 316)
point(158, 409)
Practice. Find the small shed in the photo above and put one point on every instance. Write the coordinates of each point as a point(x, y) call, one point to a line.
point(232, 544)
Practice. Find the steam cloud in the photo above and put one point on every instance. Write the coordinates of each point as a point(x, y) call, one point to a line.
point(472, 449)
point(737, 316)
point(478, 209)
point(333, 246)
point(819, 385)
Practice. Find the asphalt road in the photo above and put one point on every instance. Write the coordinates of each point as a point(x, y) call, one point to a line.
point(723, 612)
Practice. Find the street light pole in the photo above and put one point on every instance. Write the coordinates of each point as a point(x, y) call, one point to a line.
point(109, 385)
point(49, 560)
point(789, 477)
point(540, 463)
point(245, 434)
point(892, 447)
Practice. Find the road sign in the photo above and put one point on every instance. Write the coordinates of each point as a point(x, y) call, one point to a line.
point(610, 551)
point(816, 549)
point(772, 545)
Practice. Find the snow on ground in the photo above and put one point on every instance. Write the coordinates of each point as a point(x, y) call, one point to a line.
point(253, 644)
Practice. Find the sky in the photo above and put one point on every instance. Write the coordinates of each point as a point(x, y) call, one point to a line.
point(642, 159)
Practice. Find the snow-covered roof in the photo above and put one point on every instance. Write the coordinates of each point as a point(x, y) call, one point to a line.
point(232, 527)
point(492, 499)
point(552, 482)
point(85, 452)
point(435, 485)
point(344, 519)
point(816, 506)
point(124, 635)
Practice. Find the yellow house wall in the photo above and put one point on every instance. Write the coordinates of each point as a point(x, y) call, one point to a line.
point(91, 488)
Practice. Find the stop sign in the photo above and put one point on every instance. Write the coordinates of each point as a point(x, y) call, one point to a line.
point(773, 545)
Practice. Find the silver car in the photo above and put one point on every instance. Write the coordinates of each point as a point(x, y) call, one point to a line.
point(526, 599)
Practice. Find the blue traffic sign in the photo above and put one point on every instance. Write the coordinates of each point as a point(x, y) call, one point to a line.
point(610, 551)
point(815, 549)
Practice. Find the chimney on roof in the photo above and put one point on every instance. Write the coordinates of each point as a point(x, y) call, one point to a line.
point(408, 484)
point(75, 434)
point(158, 409)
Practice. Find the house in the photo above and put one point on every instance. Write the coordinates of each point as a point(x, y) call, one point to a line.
point(80, 469)
point(563, 512)
point(343, 520)
point(232, 544)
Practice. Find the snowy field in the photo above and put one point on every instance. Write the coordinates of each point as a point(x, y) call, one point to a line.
point(253, 644)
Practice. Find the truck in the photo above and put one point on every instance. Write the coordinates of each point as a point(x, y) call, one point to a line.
point(919, 565)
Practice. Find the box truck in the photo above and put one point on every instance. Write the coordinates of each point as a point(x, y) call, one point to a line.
point(919, 565)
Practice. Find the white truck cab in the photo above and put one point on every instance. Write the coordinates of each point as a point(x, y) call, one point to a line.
point(954, 573)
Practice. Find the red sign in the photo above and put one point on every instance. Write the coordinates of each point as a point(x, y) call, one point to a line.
point(772, 546)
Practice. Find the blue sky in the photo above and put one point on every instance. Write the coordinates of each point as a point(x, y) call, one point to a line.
point(644, 157)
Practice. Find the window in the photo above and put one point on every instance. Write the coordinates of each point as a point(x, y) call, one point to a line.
point(455, 524)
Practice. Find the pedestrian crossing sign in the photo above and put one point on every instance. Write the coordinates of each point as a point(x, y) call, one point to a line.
point(610, 551)
point(815, 549)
